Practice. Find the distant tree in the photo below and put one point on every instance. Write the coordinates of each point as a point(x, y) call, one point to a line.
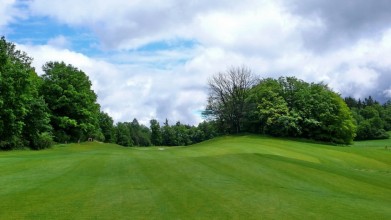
point(106, 124)
point(204, 131)
point(141, 135)
point(369, 101)
point(227, 94)
point(182, 134)
point(156, 134)
point(351, 102)
point(373, 120)
point(144, 136)
point(169, 138)
point(386, 115)
point(123, 134)
point(71, 101)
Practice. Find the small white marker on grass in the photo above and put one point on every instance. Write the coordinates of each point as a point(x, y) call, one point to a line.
point(160, 148)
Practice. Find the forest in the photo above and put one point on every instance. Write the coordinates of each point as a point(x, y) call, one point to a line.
point(61, 107)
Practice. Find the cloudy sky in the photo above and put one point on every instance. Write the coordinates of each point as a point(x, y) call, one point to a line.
point(152, 58)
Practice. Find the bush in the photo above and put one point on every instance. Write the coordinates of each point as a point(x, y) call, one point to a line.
point(13, 143)
point(43, 141)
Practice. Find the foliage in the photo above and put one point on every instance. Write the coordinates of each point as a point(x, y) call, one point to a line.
point(373, 119)
point(23, 113)
point(156, 134)
point(293, 108)
point(123, 134)
point(134, 134)
point(44, 140)
point(61, 106)
point(141, 135)
point(226, 101)
point(71, 101)
point(106, 124)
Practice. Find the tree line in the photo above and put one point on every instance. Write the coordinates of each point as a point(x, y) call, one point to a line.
point(288, 107)
point(60, 106)
point(133, 133)
point(373, 119)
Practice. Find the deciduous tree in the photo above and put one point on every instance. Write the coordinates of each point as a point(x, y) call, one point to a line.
point(227, 94)
point(71, 101)
point(23, 113)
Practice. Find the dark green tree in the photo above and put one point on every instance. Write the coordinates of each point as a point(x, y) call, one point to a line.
point(123, 134)
point(106, 124)
point(38, 128)
point(373, 120)
point(156, 134)
point(168, 135)
point(351, 102)
point(23, 113)
point(206, 130)
point(141, 135)
point(386, 115)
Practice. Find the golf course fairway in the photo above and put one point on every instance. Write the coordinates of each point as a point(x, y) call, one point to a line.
point(233, 177)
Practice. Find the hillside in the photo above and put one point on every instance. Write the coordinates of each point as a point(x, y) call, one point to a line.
point(239, 177)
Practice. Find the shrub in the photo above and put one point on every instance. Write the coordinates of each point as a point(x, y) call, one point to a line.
point(43, 141)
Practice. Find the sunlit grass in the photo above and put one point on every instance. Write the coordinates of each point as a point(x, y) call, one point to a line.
point(242, 177)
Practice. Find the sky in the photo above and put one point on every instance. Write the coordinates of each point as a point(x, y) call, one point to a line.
point(152, 58)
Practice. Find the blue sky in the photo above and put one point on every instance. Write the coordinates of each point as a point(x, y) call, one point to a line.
point(152, 59)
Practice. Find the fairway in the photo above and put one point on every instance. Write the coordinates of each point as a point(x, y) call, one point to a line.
point(235, 177)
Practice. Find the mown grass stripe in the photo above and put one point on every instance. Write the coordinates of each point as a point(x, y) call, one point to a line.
point(237, 177)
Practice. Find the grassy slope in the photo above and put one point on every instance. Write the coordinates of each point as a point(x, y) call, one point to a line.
point(244, 177)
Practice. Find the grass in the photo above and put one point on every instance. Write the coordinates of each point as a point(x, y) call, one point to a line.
point(242, 177)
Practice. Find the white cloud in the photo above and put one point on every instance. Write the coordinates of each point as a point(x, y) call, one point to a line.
point(131, 91)
point(59, 42)
point(256, 29)
point(9, 12)
point(268, 36)
point(127, 24)
point(387, 93)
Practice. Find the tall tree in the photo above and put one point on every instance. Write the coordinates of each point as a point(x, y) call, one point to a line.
point(23, 114)
point(169, 138)
point(72, 102)
point(37, 122)
point(227, 94)
point(156, 135)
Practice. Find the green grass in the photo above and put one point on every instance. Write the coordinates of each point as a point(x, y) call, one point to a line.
point(242, 177)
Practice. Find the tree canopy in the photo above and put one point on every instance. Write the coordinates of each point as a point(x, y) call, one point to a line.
point(71, 101)
point(293, 108)
point(373, 119)
point(61, 106)
point(24, 120)
point(227, 94)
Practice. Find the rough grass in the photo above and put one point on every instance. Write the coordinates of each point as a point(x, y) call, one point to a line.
point(242, 177)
